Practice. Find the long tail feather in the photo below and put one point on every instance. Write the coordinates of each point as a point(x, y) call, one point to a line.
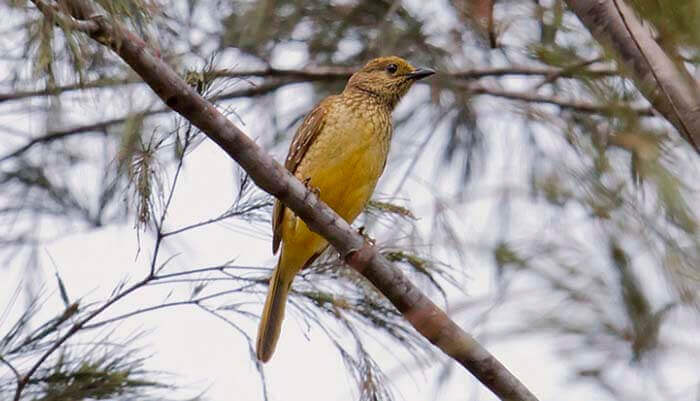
point(273, 314)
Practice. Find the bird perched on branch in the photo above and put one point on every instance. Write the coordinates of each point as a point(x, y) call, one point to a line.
point(340, 151)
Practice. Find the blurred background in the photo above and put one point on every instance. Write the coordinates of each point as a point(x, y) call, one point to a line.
point(532, 191)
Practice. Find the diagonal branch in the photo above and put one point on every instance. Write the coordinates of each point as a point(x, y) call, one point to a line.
point(667, 85)
point(422, 313)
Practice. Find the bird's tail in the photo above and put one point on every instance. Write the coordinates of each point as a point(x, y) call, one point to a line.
point(273, 313)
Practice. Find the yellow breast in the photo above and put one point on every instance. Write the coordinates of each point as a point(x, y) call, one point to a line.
point(349, 155)
point(344, 163)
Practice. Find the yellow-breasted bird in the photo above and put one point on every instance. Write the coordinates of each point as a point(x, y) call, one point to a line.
point(339, 150)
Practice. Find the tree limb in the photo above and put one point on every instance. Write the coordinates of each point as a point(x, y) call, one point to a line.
point(422, 313)
point(338, 73)
point(98, 83)
point(667, 85)
point(309, 74)
point(575, 105)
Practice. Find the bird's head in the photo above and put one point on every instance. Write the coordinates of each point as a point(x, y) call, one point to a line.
point(387, 78)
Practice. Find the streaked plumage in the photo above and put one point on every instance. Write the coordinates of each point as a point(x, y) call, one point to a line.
point(340, 149)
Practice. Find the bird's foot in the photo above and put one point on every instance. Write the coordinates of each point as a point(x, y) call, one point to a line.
point(311, 188)
point(363, 233)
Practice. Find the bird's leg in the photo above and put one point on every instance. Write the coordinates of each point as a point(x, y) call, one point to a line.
point(311, 188)
point(363, 233)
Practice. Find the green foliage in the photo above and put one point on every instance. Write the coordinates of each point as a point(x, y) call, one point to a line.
point(104, 370)
point(102, 379)
point(139, 160)
point(379, 207)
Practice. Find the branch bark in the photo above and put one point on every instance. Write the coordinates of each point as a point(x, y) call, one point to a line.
point(667, 85)
point(423, 314)
point(337, 73)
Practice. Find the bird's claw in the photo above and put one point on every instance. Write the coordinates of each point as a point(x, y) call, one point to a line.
point(366, 236)
point(311, 188)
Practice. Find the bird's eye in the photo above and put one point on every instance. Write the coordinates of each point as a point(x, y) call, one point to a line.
point(392, 68)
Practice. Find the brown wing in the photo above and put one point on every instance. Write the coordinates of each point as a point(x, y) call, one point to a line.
point(304, 137)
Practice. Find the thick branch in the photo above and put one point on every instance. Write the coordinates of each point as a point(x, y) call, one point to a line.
point(667, 85)
point(424, 315)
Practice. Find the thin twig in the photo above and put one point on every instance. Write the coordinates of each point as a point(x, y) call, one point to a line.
point(102, 126)
point(585, 107)
point(73, 329)
point(140, 311)
point(54, 91)
point(12, 368)
point(227, 215)
point(568, 71)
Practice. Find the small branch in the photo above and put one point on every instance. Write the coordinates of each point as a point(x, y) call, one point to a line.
point(166, 206)
point(196, 302)
point(101, 126)
point(99, 83)
point(584, 107)
point(268, 87)
point(224, 216)
point(569, 70)
point(343, 73)
point(53, 136)
point(12, 368)
point(311, 74)
point(73, 329)
point(564, 72)
point(213, 269)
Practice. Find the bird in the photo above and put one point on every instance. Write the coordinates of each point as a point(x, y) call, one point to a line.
point(339, 151)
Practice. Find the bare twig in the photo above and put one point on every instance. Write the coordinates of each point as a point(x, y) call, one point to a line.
point(343, 73)
point(569, 71)
point(189, 302)
point(584, 107)
point(224, 216)
point(12, 368)
point(21, 384)
point(101, 126)
point(52, 91)
point(312, 74)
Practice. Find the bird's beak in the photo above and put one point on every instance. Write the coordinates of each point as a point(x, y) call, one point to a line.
point(420, 73)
